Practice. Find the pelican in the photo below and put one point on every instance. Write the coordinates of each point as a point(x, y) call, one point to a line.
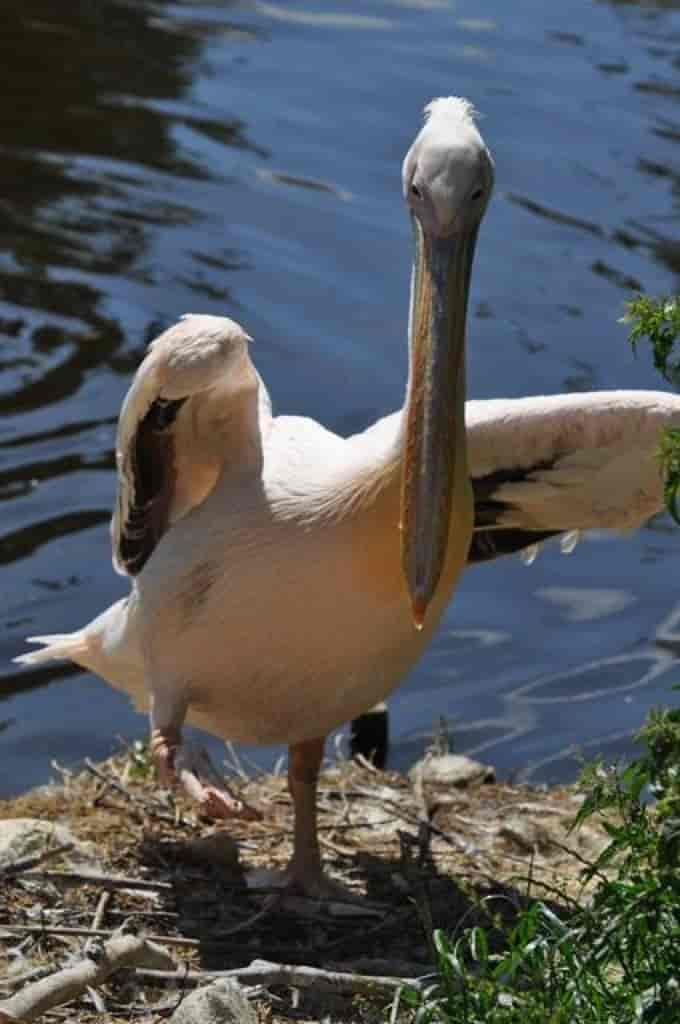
point(284, 579)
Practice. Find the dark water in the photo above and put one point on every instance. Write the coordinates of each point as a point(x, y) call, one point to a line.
point(243, 159)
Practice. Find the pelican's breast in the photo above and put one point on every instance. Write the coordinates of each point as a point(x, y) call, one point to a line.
point(279, 603)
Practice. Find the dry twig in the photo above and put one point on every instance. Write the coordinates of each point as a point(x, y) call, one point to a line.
point(26, 863)
point(144, 805)
point(266, 973)
point(97, 933)
point(102, 881)
point(71, 982)
point(97, 921)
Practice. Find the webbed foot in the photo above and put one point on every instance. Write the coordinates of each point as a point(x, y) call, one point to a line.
point(190, 767)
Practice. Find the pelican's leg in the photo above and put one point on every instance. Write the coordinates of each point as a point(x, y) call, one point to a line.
point(304, 874)
point(191, 767)
point(304, 870)
point(166, 719)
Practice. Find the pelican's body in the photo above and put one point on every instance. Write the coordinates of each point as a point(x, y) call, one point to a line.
point(285, 579)
point(282, 590)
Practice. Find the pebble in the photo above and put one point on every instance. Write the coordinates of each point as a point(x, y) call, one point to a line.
point(219, 1003)
point(28, 837)
point(451, 770)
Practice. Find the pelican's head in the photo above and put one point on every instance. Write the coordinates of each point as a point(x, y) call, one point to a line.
point(447, 178)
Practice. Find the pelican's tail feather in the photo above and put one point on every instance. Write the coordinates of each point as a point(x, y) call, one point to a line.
point(57, 646)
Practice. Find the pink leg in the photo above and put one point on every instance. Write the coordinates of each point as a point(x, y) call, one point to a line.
point(304, 874)
point(164, 744)
point(176, 762)
point(304, 761)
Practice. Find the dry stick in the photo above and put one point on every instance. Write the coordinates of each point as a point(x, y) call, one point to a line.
point(98, 933)
point(413, 819)
point(130, 914)
point(561, 895)
point(71, 982)
point(25, 863)
point(365, 763)
point(579, 857)
point(385, 925)
point(419, 879)
point(342, 851)
point(424, 816)
point(270, 903)
point(13, 981)
point(101, 880)
point(144, 805)
point(395, 1006)
point(97, 921)
point(418, 883)
point(266, 973)
point(98, 918)
point(379, 965)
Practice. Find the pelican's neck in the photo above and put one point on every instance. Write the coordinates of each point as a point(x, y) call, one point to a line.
point(376, 473)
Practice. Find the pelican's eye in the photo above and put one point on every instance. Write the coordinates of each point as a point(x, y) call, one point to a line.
point(477, 194)
point(415, 191)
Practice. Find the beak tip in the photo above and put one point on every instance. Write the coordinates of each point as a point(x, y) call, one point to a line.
point(418, 610)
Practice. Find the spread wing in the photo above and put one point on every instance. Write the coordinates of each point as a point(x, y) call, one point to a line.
point(195, 410)
point(553, 465)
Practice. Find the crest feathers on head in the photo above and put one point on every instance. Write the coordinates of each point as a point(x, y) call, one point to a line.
point(454, 107)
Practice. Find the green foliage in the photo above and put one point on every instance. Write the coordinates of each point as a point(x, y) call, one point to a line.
point(658, 320)
point(669, 457)
point(140, 764)
point(614, 961)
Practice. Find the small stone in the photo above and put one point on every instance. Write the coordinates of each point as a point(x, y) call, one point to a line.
point(220, 1003)
point(29, 837)
point(525, 834)
point(451, 770)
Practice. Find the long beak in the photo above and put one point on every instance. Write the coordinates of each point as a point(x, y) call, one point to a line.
point(439, 293)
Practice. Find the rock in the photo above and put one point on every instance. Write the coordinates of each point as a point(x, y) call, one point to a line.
point(526, 834)
point(29, 837)
point(219, 1003)
point(451, 770)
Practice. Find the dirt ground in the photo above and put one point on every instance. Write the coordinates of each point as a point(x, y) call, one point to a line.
point(421, 856)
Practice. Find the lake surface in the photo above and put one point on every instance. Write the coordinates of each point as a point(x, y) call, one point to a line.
point(244, 159)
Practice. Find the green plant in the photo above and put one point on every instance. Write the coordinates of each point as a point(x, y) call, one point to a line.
point(139, 764)
point(613, 961)
point(658, 320)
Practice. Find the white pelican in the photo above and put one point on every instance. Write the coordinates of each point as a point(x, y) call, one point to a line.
point(283, 578)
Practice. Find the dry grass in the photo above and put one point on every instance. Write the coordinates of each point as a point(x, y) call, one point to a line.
point(427, 859)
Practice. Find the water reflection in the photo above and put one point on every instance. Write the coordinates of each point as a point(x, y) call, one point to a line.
point(605, 676)
point(221, 157)
point(101, 107)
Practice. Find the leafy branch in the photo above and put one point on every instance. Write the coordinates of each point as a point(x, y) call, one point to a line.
point(658, 320)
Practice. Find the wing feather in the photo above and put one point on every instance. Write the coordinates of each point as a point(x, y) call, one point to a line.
point(548, 465)
point(195, 409)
